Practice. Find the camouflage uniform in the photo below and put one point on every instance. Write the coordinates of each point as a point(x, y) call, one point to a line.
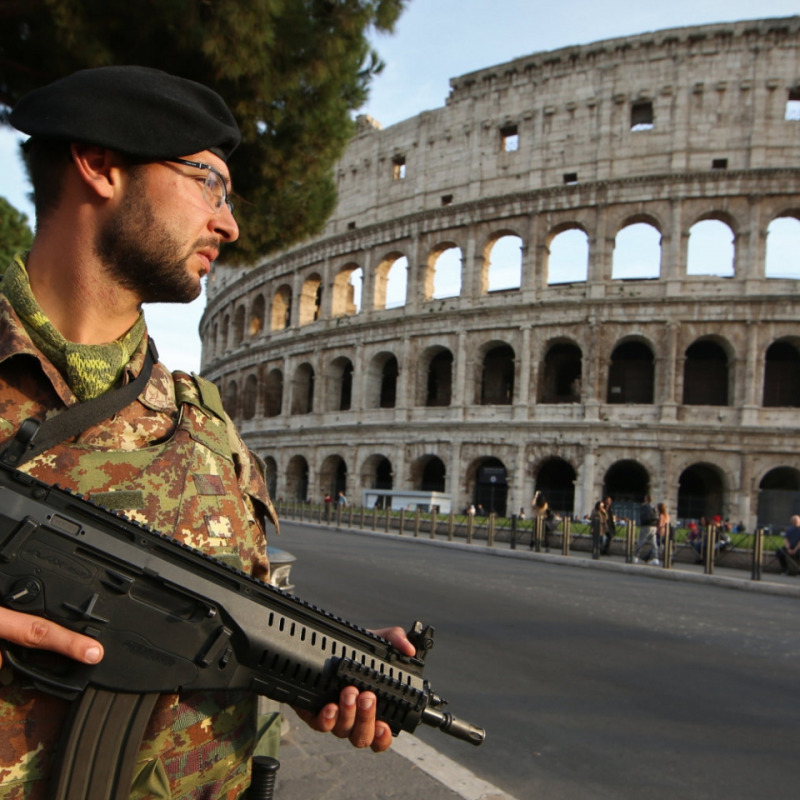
point(171, 460)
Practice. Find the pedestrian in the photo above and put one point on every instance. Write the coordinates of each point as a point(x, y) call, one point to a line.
point(789, 552)
point(647, 545)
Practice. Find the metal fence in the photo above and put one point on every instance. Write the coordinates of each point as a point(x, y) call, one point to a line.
point(753, 552)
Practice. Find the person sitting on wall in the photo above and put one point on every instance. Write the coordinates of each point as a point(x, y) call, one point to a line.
point(789, 552)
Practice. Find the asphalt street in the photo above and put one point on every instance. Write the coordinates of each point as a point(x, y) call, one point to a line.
point(594, 683)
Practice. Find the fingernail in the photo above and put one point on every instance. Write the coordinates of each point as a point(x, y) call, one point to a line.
point(92, 655)
point(365, 703)
point(349, 699)
point(329, 713)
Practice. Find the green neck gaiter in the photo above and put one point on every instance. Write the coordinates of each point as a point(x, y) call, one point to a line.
point(89, 369)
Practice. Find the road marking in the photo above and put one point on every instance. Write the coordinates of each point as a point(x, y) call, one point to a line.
point(457, 778)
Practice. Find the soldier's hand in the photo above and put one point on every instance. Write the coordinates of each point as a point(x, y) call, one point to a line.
point(30, 631)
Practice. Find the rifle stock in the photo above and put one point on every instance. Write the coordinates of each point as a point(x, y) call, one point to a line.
point(173, 619)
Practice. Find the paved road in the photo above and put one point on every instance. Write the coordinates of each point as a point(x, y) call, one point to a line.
point(590, 683)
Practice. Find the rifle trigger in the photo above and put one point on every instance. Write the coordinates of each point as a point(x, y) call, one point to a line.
point(86, 613)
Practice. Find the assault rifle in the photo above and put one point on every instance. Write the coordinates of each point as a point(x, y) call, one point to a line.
point(173, 619)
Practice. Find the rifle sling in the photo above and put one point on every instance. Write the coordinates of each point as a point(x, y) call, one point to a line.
point(35, 437)
point(98, 752)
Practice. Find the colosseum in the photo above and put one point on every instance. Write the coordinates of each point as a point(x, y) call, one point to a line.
point(580, 276)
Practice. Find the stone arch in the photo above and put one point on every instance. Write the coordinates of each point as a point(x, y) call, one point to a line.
point(781, 388)
point(381, 383)
point(497, 374)
point(273, 393)
point(391, 281)
point(435, 377)
point(706, 377)
point(783, 245)
point(249, 397)
point(333, 476)
point(377, 472)
point(238, 325)
point(562, 373)
point(338, 394)
point(271, 475)
point(711, 248)
point(311, 299)
point(346, 295)
point(487, 482)
point(297, 477)
point(429, 474)
point(555, 479)
point(281, 317)
point(637, 249)
point(257, 316)
point(626, 482)
point(778, 497)
point(567, 254)
point(631, 372)
point(503, 262)
point(303, 389)
point(443, 273)
point(701, 491)
point(231, 399)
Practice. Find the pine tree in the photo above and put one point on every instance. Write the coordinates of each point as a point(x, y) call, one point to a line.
point(15, 235)
point(292, 72)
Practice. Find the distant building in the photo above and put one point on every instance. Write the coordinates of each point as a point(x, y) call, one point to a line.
point(581, 275)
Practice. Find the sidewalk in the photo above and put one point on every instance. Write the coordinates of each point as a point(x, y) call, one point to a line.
point(318, 766)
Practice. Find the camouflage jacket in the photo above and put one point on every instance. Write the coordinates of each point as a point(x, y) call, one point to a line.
point(172, 460)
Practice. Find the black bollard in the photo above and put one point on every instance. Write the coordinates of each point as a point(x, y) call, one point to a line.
point(262, 782)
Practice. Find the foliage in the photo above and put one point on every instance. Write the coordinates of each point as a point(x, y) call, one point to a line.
point(15, 235)
point(292, 72)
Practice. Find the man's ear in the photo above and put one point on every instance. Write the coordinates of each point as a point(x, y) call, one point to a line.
point(98, 167)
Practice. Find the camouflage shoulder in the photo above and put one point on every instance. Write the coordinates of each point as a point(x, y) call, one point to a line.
point(198, 391)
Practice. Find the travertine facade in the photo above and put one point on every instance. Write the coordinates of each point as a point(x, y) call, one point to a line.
point(581, 374)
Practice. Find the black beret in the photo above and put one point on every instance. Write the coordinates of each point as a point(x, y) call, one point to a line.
point(143, 112)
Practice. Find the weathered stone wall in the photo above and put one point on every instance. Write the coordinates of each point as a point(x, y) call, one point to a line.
point(668, 130)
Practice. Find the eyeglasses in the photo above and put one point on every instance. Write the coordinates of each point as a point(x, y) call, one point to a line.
point(215, 190)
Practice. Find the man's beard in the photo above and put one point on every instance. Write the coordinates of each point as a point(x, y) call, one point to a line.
point(143, 256)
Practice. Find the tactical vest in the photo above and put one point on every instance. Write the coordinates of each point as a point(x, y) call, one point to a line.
point(197, 745)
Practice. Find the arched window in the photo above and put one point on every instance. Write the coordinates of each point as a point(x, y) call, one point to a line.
point(257, 316)
point(700, 492)
point(783, 247)
point(711, 250)
point(444, 267)
point(705, 375)
point(505, 264)
point(249, 397)
point(438, 377)
point(497, 376)
point(637, 252)
point(568, 261)
point(339, 385)
point(631, 374)
point(238, 326)
point(303, 390)
point(347, 291)
point(282, 309)
point(782, 376)
point(311, 299)
point(273, 393)
point(561, 379)
point(391, 282)
point(555, 479)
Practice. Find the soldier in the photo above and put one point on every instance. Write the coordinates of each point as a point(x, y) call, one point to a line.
point(131, 188)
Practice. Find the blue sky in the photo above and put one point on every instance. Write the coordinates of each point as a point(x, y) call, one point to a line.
point(436, 40)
